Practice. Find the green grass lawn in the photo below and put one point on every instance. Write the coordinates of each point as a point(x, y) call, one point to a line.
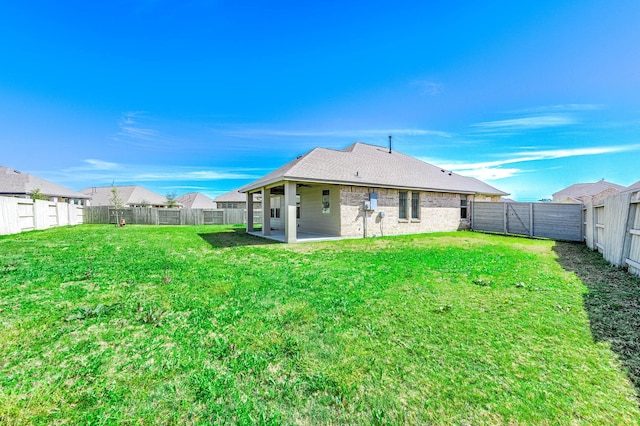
point(200, 325)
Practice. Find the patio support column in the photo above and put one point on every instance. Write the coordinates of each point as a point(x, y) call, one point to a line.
point(290, 220)
point(266, 212)
point(249, 212)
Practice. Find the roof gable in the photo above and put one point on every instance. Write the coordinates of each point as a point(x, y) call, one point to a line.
point(196, 200)
point(368, 165)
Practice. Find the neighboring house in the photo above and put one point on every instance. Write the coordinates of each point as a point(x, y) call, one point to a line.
point(364, 190)
point(131, 196)
point(581, 193)
point(22, 185)
point(635, 191)
point(635, 187)
point(236, 200)
point(196, 200)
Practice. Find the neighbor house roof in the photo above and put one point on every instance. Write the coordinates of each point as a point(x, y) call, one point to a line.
point(196, 200)
point(634, 187)
point(235, 196)
point(579, 191)
point(368, 165)
point(13, 182)
point(130, 195)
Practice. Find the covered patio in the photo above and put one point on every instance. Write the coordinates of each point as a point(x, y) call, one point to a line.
point(302, 237)
point(295, 211)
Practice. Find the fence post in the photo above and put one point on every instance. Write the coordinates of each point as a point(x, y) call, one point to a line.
point(583, 216)
point(531, 219)
point(594, 226)
point(631, 218)
point(505, 217)
point(471, 213)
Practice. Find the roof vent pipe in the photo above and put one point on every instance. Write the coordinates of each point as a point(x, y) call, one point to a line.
point(390, 143)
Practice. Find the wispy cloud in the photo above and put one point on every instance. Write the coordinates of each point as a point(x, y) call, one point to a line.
point(494, 170)
point(130, 127)
point(525, 123)
point(562, 107)
point(100, 165)
point(137, 133)
point(140, 129)
point(347, 134)
point(426, 87)
point(188, 175)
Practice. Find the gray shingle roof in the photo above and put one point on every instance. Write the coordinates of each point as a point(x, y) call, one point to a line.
point(101, 196)
point(368, 165)
point(633, 187)
point(586, 189)
point(196, 200)
point(17, 183)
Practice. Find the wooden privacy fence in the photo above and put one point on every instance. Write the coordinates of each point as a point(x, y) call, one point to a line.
point(23, 214)
point(613, 228)
point(163, 216)
point(543, 220)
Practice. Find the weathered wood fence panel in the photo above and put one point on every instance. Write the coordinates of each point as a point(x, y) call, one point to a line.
point(488, 217)
point(558, 221)
point(544, 220)
point(23, 214)
point(613, 229)
point(161, 216)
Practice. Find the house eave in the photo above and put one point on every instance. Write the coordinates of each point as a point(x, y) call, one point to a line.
point(275, 182)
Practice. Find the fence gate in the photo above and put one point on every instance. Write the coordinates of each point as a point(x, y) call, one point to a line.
point(546, 220)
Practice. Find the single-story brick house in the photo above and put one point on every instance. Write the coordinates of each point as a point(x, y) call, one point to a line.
point(363, 191)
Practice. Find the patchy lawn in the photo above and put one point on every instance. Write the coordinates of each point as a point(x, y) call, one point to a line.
point(199, 325)
point(612, 302)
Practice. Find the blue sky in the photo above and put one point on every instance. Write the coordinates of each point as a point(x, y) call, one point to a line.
point(207, 95)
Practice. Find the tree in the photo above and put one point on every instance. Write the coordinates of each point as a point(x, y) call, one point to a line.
point(117, 203)
point(171, 199)
point(36, 194)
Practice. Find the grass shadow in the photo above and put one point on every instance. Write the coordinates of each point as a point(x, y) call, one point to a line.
point(234, 238)
point(612, 303)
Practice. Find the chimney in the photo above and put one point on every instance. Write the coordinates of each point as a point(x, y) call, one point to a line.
point(390, 143)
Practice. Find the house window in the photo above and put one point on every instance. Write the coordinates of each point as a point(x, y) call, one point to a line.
point(275, 212)
point(415, 205)
point(463, 207)
point(402, 205)
point(228, 205)
point(325, 201)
